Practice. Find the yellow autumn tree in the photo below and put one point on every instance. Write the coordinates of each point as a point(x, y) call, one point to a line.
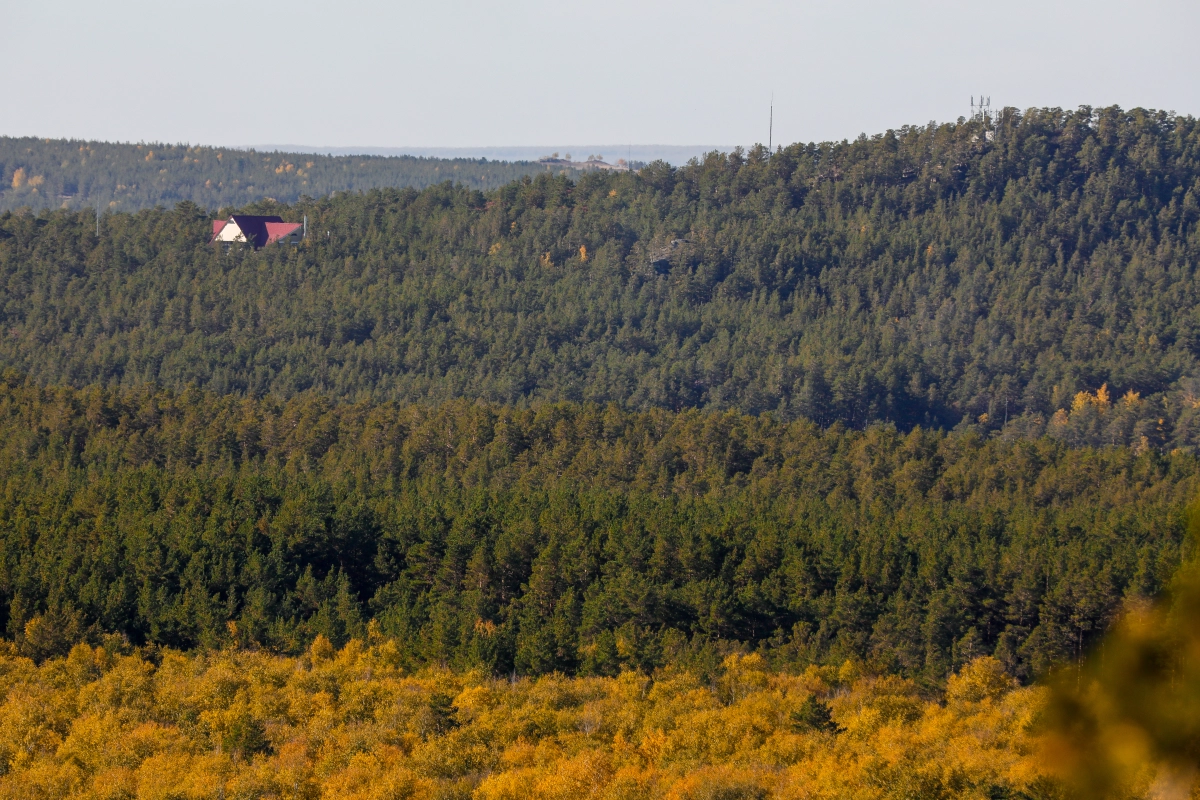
point(351, 724)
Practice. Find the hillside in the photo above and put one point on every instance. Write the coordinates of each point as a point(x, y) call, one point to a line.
point(1040, 275)
point(775, 475)
point(59, 173)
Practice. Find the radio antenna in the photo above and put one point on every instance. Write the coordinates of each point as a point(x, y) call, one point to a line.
point(983, 109)
point(771, 125)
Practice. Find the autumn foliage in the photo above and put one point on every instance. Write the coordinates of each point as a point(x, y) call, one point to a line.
point(353, 724)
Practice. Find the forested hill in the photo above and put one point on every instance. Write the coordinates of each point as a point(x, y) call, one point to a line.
point(65, 173)
point(1038, 274)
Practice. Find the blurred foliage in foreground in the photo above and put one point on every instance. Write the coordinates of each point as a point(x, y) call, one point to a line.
point(353, 724)
point(1127, 721)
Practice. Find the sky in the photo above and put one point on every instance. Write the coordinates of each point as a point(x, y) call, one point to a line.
point(454, 73)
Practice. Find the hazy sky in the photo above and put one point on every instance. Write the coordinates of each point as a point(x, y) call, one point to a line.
point(447, 73)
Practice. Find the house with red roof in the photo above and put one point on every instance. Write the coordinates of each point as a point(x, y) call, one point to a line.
point(256, 231)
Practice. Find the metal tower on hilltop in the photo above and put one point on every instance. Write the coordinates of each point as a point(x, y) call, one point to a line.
point(983, 109)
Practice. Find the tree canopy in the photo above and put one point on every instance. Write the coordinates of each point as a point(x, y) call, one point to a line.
point(773, 475)
point(353, 725)
point(572, 538)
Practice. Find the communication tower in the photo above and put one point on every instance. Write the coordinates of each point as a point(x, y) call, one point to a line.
point(981, 110)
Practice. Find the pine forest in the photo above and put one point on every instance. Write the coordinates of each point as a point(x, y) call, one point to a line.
point(855, 469)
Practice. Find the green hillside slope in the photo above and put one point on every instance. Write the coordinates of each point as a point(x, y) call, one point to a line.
point(1039, 276)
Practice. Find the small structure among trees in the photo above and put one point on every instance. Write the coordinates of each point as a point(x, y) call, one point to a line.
point(256, 231)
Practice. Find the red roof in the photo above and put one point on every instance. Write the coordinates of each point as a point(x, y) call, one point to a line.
point(258, 230)
point(278, 230)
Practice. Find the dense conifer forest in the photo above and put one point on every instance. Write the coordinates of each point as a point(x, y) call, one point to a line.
point(572, 538)
point(774, 475)
point(1039, 276)
point(102, 176)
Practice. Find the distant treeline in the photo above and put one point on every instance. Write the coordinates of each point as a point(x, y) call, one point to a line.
point(576, 538)
point(65, 173)
point(1035, 274)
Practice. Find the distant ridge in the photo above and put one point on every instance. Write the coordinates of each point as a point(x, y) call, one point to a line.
point(671, 153)
point(66, 173)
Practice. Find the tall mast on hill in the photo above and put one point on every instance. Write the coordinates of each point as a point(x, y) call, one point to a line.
point(771, 125)
point(981, 110)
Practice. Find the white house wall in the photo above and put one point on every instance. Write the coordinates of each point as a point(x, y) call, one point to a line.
point(231, 233)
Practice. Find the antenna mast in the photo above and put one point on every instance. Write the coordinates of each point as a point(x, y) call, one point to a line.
point(981, 110)
point(771, 125)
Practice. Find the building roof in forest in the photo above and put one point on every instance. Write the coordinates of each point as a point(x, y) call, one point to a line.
point(257, 230)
